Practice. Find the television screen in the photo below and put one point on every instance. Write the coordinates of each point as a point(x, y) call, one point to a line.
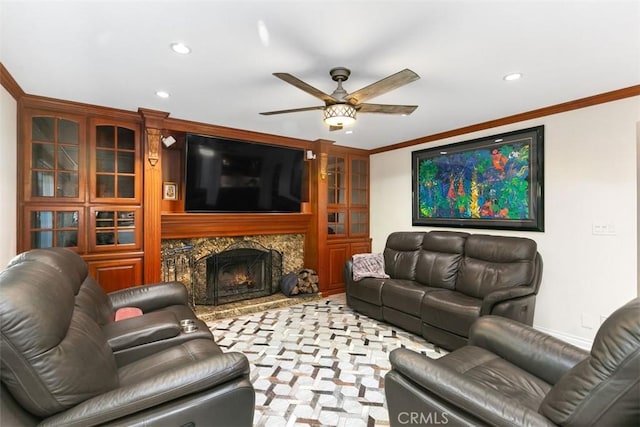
point(225, 175)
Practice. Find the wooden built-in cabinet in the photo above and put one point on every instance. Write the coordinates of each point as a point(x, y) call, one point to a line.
point(82, 187)
point(344, 178)
point(91, 180)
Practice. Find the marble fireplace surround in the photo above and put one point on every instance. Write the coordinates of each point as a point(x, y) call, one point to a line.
point(189, 265)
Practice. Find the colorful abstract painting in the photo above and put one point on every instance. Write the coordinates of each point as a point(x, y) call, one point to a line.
point(494, 182)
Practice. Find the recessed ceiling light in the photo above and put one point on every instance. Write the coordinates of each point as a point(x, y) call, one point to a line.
point(162, 94)
point(512, 76)
point(348, 132)
point(263, 33)
point(180, 48)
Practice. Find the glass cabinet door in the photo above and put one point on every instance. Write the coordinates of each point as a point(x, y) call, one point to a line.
point(359, 222)
point(55, 157)
point(358, 197)
point(114, 164)
point(115, 228)
point(337, 186)
point(336, 223)
point(359, 189)
point(54, 227)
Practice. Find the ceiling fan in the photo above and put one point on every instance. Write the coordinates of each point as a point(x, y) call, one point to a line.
point(340, 107)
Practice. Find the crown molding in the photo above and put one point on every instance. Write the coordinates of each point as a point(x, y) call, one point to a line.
point(589, 101)
point(8, 82)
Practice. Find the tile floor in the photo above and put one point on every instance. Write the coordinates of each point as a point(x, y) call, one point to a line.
point(317, 363)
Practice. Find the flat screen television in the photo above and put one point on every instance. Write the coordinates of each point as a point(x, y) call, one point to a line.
point(224, 175)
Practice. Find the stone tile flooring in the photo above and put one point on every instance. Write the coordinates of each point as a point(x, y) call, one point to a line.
point(317, 363)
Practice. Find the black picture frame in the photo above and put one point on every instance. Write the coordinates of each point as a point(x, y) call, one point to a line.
point(496, 182)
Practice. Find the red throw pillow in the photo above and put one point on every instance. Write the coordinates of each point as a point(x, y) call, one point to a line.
point(127, 312)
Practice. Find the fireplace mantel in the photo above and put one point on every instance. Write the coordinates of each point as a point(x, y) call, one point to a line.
point(193, 225)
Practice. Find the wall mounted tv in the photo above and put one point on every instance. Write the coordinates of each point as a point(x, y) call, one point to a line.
point(224, 175)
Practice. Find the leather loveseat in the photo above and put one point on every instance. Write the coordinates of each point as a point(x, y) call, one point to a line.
point(441, 282)
point(65, 361)
point(509, 374)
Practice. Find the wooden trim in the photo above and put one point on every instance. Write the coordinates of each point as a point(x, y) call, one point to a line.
point(180, 125)
point(188, 225)
point(94, 111)
point(534, 114)
point(8, 82)
point(111, 256)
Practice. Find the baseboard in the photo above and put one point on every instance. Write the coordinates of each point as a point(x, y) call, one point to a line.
point(571, 339)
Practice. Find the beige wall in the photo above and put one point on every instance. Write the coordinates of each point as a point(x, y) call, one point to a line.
point(591, 175)
point(8, 174)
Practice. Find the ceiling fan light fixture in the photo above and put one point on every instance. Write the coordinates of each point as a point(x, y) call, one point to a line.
point(339, 114)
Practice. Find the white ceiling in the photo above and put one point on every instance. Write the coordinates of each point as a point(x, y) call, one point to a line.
point(116, 54)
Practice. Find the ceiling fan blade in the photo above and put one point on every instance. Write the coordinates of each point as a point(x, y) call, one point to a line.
point(386, 108)
point(306, 87)
point(292, 110)
point(332, 128)
point(385, 85)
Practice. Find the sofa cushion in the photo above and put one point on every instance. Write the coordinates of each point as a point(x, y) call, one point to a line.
point(606, 384)
point(49, 366)
point(491, 371)
point(90, 297)
point(450, 310)
point(404, 295)
point(401, 254)
point(439, 259)
point(368, 289)
point(492, 262)
point(182, 354)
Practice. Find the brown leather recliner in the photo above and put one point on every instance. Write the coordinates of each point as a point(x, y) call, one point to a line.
point(509, 374)
point(163, 306)
point(58, 366)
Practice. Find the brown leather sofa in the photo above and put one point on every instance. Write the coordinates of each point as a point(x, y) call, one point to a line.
point(509, 374)
point(441, 282)
point(65, 360)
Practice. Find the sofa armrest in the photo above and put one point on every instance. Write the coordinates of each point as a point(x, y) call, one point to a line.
point(130, 399)
point(150, 297)
point(348, 273)
point(542, 355)
point(470, 396)
point(141, 330)
point(504, 294)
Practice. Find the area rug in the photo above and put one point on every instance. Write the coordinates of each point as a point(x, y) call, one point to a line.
point(317, 363)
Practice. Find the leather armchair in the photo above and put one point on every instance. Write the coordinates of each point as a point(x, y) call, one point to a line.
point(58, 367)
point(163, 304)
point(509, 374)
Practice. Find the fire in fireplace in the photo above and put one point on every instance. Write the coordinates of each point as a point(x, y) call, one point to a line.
point(242, 271)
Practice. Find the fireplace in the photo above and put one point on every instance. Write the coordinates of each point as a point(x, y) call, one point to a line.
point(192, 262)
point(242, 271)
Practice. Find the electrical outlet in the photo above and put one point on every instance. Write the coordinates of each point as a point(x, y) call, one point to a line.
point(603, 229)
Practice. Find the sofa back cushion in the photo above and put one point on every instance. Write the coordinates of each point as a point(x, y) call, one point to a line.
point(94, 302)
point(492, 262)
point(90, 297)
point(604, 389)
point(63, 260)
point(401, 254)
point(53, 356)
point(439, 258)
